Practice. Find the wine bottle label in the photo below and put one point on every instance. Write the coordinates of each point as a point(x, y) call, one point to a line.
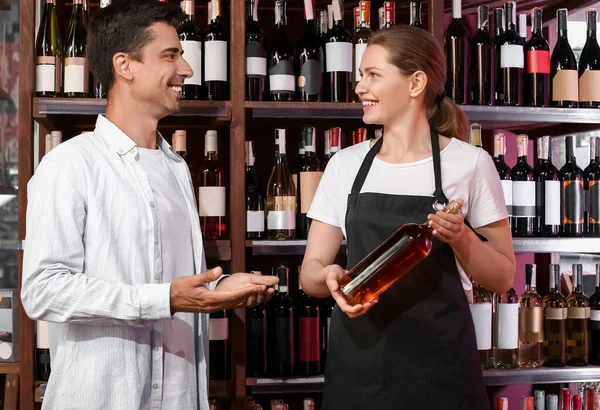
point(511, 56)
point(281, 78)
point(593, 201)
point(531, 322)
point(339, 57)
point(555, 313)
point(572, 202)
point(47, 74)
point(256, 60)
point(192, 53)
point(76, 75)
point(310, 345)
point(5, 351)
point(359, 50)
point(218, 329)
point(552, 202)
point(523, 199)
point(309, 181)
point(589, 86)
point(508, 326)
point(595, 315)
point(311, 77)
point(538, 62)
point(211, 201)
point(42, 335)
point(255, 221)
point(579, 312)
point(482, 318)
point(507, 189)
point(215, 60)
point(281, 219)
point(565, 86)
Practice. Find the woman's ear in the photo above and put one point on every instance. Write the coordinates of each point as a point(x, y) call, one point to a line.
point(417, 84)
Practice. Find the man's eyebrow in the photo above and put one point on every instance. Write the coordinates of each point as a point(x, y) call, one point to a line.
point(171, 50)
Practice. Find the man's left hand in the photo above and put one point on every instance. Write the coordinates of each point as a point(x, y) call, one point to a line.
point(241, 280)
point(448, 228)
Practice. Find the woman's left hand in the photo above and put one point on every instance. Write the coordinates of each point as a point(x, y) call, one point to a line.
point(448, 228)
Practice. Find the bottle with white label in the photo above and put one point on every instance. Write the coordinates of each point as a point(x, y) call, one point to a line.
point(564, 80)
point(212, 191)
point(512, 58)
point(338, 52)
point(531, 322)
point(547, 191)
point(308, 61)
point(216, 56)
point(362, 35)
point(219, 345)
point(281, 195)
point(76, 73)
point(523, 198)
point(190, 37)
point(481, 310)
point(282, 82)
point(571, 193)
point(256, 56)
point(591, 191)
point(577, 325)
point(255, 208)
point(506, 329)
point(595, 322)
point(503, 171)
point(309, 175)
point(48, 53)
point(555, 322)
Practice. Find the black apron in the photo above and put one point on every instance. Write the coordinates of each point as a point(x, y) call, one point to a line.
point(416, 348)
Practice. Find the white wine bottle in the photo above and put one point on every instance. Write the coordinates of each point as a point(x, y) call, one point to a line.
point(531, 322)
point(48, 54)
point(281, 195)
point(76, 79)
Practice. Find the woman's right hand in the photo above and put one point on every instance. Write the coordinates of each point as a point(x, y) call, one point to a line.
point(332, 275)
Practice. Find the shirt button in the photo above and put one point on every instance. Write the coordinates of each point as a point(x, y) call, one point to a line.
point(156, 348)
point(157, 276)
point(155, 386)
point(152, 204)
point(156, 241)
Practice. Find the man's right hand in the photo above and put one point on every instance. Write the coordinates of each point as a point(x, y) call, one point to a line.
point(188, 294)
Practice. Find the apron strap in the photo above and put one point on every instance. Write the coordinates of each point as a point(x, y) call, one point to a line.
point(438, 194)
point(365, 166)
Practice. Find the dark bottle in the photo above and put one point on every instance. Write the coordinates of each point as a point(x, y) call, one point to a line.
point(326, 312)
point(216, 67)
point(219, 345)
point(389, 14)
point(537, 73)
point(190, 37)
point(555, 322)
point(48, 54)
point(308, 64)
point(42, 352)
point(362, 35)
point(523, 208)
point(308, 333)
point(591, 188)
point(578, 321)
point(256, 341)
point(547, 191)
point(571, 193)
point(498, 40)
point(282, 84)
point(280, 317)
point(589, 66)
point(522, 26)
point(255, 207)
point(456, 47)
point(483, 55)
point(338, 52)
point(415, 14)
point(322, 28)
point(100, 90)
point(76, 74)
point(512, 59)
point(504, 172)
point(310, 173)
point(595, 322)
point(563, 68)
point(256, 56)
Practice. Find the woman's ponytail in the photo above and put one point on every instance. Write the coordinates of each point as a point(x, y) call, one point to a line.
point(449, 120)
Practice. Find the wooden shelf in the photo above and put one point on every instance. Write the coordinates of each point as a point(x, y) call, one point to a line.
point(292, 247)
point(13, 368)
point(219, 389)
point(220, 250)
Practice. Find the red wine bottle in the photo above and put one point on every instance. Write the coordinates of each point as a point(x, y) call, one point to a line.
point(256, 56)
point(280, 317)
point(326, 311)
point(216, 67)
point(282, 84)
point(512, 59)
point(362, 35)
point(589, 66)
point(563, 68)
point(571, 194)
point(456, 46)
point(255, 207)
point(537, 73)
point(483, 53)
point(256, 341)
point(219, 345)
point(389, 13)
point(309, 334)
point(498, 40)
point(338, 52)
point(503, 171)
point(547, 191)
point(308, 64)
point(595, 322)
point(190, 37)
point(591, 189)
point(523, 191)
point(322, 27)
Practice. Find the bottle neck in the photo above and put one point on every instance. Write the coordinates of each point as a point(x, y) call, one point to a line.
point(252, 11)
point(536, 27)
point(456, 9)
point(211, 156)
point(415, 14)
point(591, 24)
point(499, 23)
point(562, 26)
point(280, 16)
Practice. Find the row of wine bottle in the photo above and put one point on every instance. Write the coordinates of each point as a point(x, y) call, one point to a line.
point(508, 69)
point(278, 404)
point(530, 331)
point(541, 401)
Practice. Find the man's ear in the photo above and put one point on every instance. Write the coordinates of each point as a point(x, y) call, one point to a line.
point(122, 66)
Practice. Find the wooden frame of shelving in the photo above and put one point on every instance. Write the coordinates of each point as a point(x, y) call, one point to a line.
point(237, 113)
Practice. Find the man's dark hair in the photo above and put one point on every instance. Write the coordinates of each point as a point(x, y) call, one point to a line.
point(123, 27)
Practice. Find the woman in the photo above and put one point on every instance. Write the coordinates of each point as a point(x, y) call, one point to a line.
point(415, 347)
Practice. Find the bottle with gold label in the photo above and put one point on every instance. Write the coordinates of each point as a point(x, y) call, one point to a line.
point(595, 321)
point(309, 175)
point(578, 318)
point(555, 322)
point(531, 318)
point(589, 66)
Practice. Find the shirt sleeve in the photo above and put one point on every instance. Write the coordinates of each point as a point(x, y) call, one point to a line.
point(55, 287)
point(487, 199)
point(324, 206)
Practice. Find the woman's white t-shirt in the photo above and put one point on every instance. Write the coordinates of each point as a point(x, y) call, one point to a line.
point(468, 173)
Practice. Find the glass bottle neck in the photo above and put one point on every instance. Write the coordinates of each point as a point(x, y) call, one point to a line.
point(536, 27)
point(211, 156)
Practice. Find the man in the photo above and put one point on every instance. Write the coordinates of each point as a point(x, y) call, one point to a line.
point(113, 236)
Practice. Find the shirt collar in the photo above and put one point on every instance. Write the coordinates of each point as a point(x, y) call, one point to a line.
point(122, 144)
